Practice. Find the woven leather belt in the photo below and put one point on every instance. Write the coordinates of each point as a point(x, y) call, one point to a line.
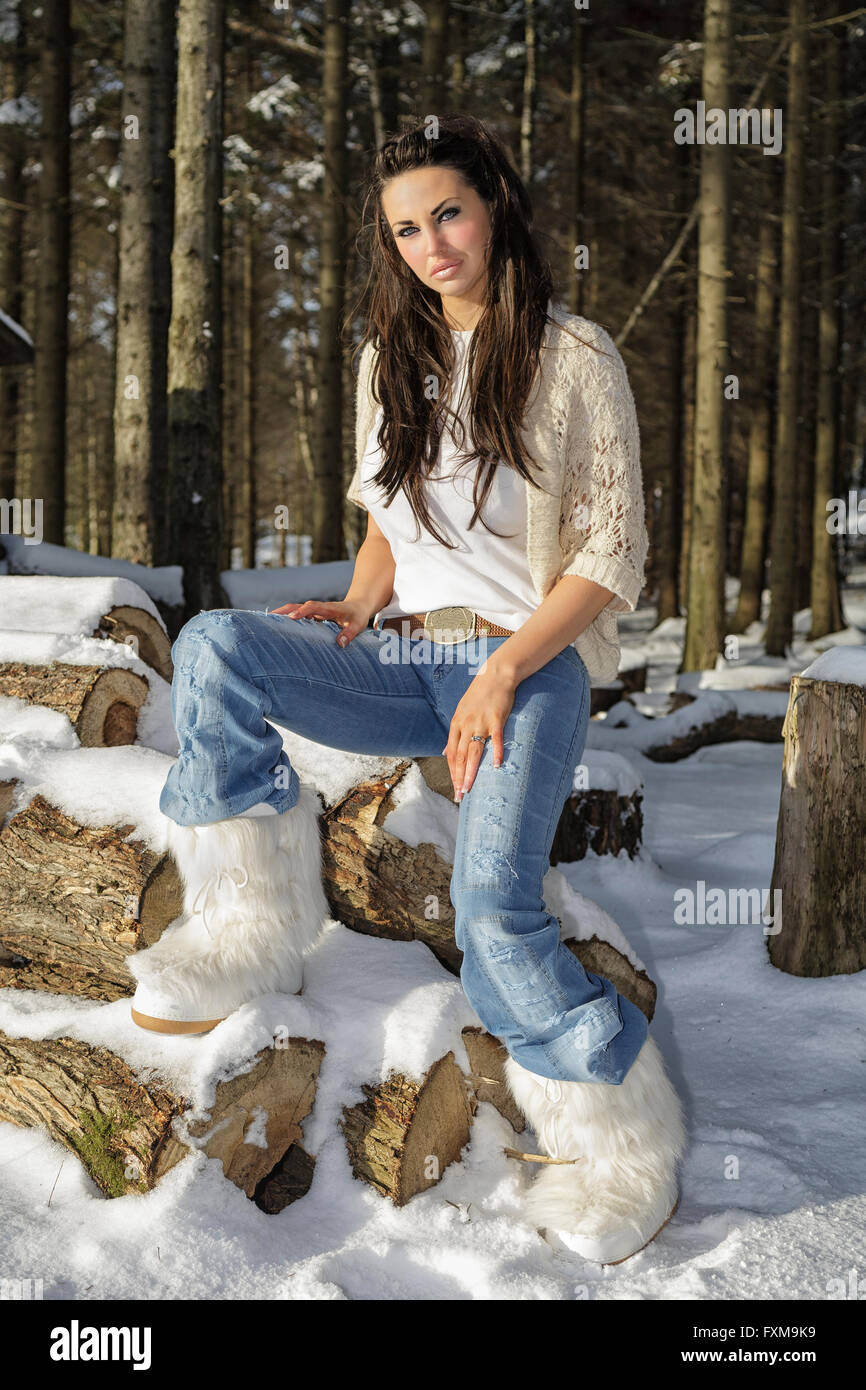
point(446, 625)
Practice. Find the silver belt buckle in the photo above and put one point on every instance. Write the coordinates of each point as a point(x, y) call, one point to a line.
point(449, 625)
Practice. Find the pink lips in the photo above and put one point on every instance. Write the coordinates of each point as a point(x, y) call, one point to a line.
point(444, 266)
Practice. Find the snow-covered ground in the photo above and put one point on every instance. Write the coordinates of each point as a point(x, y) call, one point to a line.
point(771, 1068)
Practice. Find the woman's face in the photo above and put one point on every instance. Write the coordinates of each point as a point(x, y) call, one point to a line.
point(441, 227)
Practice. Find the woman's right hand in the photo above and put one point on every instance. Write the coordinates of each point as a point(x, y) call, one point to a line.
point(352, 615)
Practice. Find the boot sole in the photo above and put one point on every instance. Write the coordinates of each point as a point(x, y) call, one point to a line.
point(668, 1218)
point(173, 1025)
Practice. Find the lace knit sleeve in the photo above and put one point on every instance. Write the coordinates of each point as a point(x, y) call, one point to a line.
point(602, 521)
point(365, 414)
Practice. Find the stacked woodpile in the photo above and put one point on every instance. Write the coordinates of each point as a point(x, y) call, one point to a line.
point(78, 897)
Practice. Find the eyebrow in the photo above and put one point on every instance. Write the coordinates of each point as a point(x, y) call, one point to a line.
point(407, 221)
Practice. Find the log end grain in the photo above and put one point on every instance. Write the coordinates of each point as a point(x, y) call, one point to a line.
point(404, 1135)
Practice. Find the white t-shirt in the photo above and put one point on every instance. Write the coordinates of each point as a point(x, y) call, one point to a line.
point(489, 573)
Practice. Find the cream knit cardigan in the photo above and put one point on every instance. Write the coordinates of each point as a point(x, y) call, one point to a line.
point(580, 426)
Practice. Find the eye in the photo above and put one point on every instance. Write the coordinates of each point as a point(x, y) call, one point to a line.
point(443, 214)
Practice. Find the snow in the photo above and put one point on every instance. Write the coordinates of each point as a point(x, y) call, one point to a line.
point(846, 665)
point(163, 585)
point(272, 587)
point(607, 772)
point(769, 1065)
point(54, 604)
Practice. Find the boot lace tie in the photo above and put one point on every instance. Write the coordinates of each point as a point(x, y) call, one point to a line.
point(212, 885)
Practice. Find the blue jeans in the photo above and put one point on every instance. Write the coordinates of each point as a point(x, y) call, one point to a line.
point(235, 669)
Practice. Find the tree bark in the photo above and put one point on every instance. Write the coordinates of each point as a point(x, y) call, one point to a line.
point(786, 483)
point(128, 1130)
point(758, 468)
point(819, 867)
point(824, 597)
point(13, 74)
point(328, 493)
point(76, 900)
point(577, 153)
point(48, 465)
point(434, 58)
point(101, 702)
point(195, 349)
point(527, 108)
point(139, 517)
point(705, 622)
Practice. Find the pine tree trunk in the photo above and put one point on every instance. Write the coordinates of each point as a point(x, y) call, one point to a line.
point(783, 534)
point(328, 495)
point(824, 597)
point(705, 623)
point(434, 57)
point(758, 469)
point(194, 355)
point(248, 402)
point(527, 110)
point(576, 147)
point(144, 283)
point(13, 73)
point(48, 466)
point(689, 335)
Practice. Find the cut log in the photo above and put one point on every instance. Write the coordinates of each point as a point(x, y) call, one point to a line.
point(122, 1127)
point(92, 605)
point(403, 1136)
point(487, 1075)
point(380, 886)
point(377, 884)
point(601, 958)
point(598, 820)
point(140, 631)
point(75, 900)
point(729, 726)
point(101, 702)
point(820, 864)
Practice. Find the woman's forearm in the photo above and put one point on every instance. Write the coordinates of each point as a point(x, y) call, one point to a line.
point(373, 577)
point(564, 614)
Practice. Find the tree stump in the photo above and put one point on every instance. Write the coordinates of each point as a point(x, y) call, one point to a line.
point(101, 702)
point(820, 860)
point(75, 900)
point(598, 820)
point(122, 1127)
point(403, 1136)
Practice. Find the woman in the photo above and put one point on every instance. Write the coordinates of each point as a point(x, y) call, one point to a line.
point(497, 459)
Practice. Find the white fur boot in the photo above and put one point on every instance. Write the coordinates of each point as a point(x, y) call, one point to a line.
point(626, 1140)
point(253, 906)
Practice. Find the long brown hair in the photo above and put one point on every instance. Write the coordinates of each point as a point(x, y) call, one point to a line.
point(404, 320)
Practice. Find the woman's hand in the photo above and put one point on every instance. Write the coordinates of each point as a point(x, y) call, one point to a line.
point(352, 615)
point(483, 710)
